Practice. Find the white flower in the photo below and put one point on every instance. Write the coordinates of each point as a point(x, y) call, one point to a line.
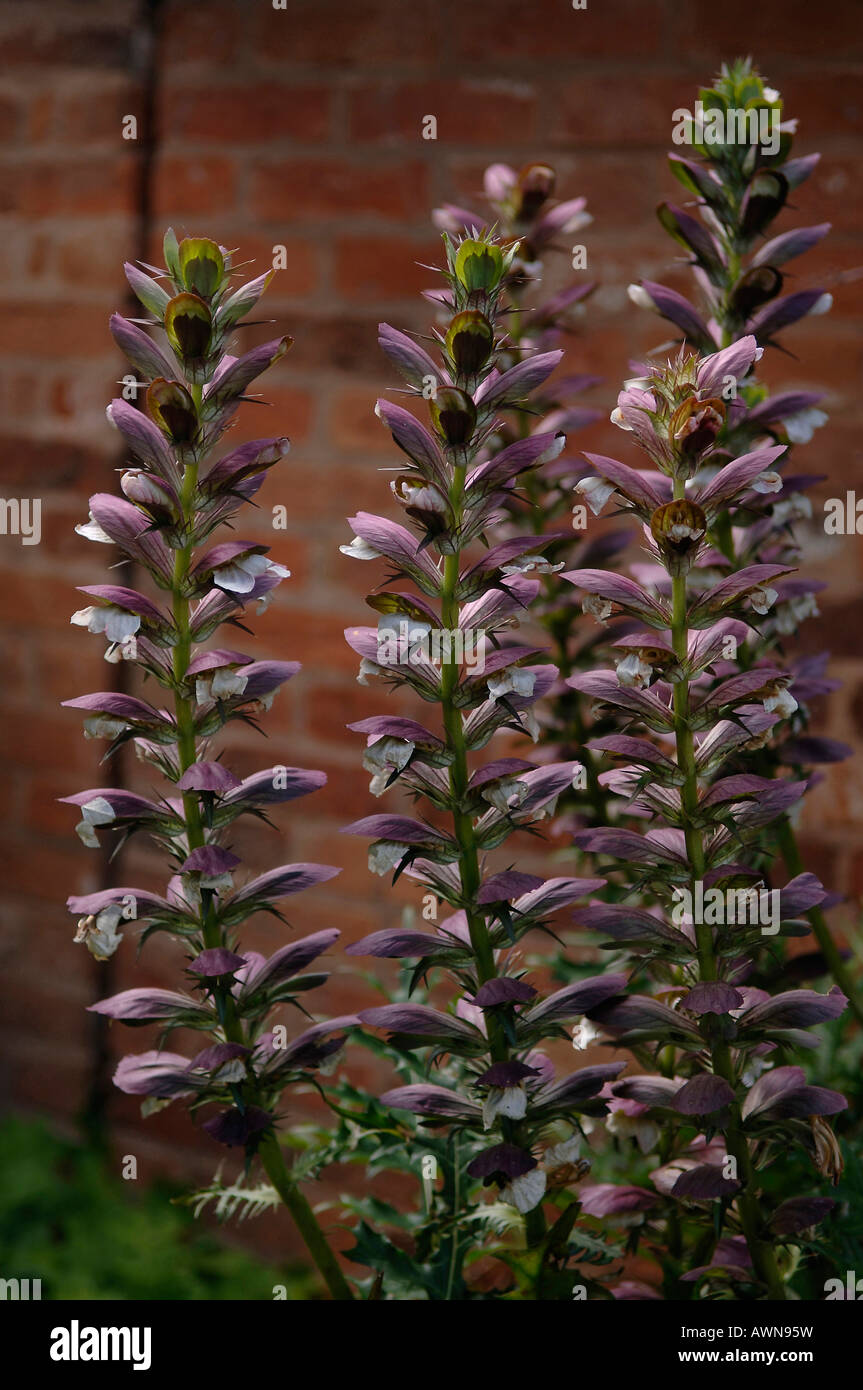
point(382, 757)
point(801, 427)
point(515, 681)
point(683, 531)
point(92, 531)
point(385, 856)
point(754, 1067)
point(240, 575)
point(526, 563)
point(790, 615)
point(220, 685)
point(506, 795)
point(596, 492)
point(368, 668)
point(795, 507)
point(217, 883)
point(360, 550)
point(763, 599)
point(585, 1034)
point(598, 608)
point(386, 753)
point(822, 305)
point(632, 670)
point(561, 1155)
point(639, 1127)
point(525, 1192)
point(100, 726)
point(417, 494)
point(767, 482)
point(99, 811)
point(99, 934)
point(116, 624)
point(638, 294)
point(782, 703)
point(510, 1101)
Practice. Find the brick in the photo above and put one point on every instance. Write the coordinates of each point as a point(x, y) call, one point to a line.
point(314, 638)
point(40, 116)
point(320, 189)
point(49, 329)
point(46, 188)
point(209, 37)
point(52, 37)
point(587, 112)
point(188, 187)
point(375, 268)
point(287, 410)
point(93, 256)
point(23, 459)
point(703, 33)
point(353, 424)
point(235, 115)
point(369, 33)
point(10, 117)
point(341, 343)
point(330, 708)
point(493, 113)
point(505, 34)
point(97, 115)
point(826, 109)
point(834, 192)
point(47, 874)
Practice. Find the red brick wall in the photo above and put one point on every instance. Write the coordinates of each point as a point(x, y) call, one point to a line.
point(303, 127)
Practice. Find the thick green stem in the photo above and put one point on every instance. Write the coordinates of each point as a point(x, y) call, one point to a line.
point(751, 1220)
point(458, 781)
point(786, 837)
point(463, 826)
point(187, 753)
point(304, 1219)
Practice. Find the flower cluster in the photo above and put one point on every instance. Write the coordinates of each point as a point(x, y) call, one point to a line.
point(525, 213)
point(739, 189)
point(452, 492)
point(692, 907)
point(174, 498)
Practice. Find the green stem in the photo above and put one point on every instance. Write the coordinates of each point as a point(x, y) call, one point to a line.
point(463, 826)
point(187, 753)
point(304, 1219)
point(787, 839)
point(761, 1252)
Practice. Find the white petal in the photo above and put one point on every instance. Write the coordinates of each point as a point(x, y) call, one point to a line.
point(525, 1192)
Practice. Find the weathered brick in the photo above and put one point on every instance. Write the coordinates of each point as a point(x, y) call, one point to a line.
point(324, 188)
point(494, 112)
point(233, 115)
point(380, 268)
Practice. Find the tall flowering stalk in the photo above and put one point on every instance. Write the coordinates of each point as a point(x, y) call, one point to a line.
point(174, 499)
point(739, 187)
point(525, 213)
point(729, 1099)
point(446, 642)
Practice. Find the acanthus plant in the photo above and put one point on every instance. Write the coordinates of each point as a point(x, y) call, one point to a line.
point(174, 498)
point(729, 1099)
point(515, 1127)
point(739, 188)
point(524, 212)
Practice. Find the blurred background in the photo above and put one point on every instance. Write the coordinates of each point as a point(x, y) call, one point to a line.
point(301, 127)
